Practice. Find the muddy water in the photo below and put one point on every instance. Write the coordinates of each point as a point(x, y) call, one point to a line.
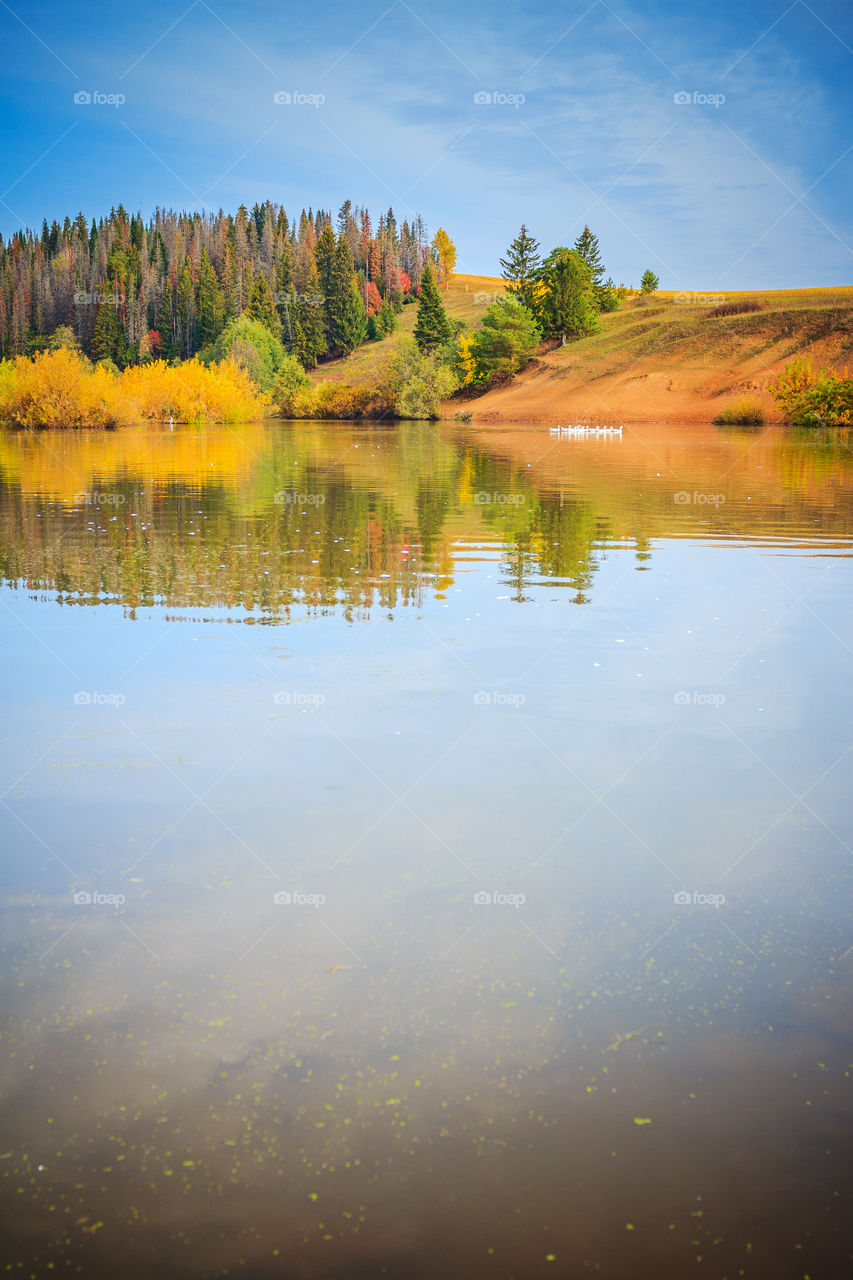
point(425, 852)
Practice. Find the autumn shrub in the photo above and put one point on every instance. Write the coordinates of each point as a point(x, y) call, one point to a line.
point(814, 398)
point(336, 400)
point(746, 411)
point(62, 388)
point(193, 392)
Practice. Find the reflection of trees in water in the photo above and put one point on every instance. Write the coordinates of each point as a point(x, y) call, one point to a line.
point(319, 521)
point(197, 548)
point(547, 534)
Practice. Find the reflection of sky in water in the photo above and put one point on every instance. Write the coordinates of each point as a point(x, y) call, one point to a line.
point(654, 739)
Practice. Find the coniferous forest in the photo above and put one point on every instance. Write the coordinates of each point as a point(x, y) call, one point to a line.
point(131, 290)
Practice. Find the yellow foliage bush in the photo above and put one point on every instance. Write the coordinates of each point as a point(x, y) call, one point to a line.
point(337, 400)
point(62, 389)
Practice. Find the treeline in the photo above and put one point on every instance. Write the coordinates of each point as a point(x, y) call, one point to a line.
point(566, 291)
point(126, 290)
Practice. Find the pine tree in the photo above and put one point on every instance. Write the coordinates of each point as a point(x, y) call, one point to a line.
point(521, 268)
point(432, 328)
point(260, 306)
point(649, 282)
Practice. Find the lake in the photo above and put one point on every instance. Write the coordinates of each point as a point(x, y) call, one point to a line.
point(426, 852)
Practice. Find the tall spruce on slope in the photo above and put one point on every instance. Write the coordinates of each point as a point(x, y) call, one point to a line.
point(346, 316)
point(588, 248)
point(521, 268)
point(432, 328)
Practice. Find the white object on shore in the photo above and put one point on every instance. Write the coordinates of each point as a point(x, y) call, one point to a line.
point(582, 429)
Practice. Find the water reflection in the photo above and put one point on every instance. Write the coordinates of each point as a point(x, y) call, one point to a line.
point(268, 518)
point(408, 1078)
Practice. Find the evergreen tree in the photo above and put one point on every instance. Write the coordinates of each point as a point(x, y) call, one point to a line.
point(324, 256)
point(521, 268)
point(166, 322)
point(567, 308)
point(649, 282)
point(311, 341)
point(283, 283)
point(209, 303)
point(346, 317)
point(432, 328)
point(260, 306)
point(109, 342)
point(587, 246)
point(507, 340)
point(185, 312)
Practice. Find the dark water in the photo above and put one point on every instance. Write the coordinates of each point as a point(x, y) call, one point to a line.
point(485, 707)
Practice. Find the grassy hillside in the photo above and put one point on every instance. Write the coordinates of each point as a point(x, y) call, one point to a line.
point(663, 358)
point(466, 299)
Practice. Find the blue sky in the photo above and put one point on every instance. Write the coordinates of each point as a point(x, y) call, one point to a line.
point(745, 184)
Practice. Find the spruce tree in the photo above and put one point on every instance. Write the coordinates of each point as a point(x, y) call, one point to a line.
point(166, 322)
point(110, 341)
point(568, 307)
point(310, 343)
point(209, 303)
point(346, 317)
point(260, 306)
point(521, 268)
point(185, 312)
point(587, 246)
point(283, 278)
point(432, 328)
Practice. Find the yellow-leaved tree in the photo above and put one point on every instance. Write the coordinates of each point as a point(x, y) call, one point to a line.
point(444, 252)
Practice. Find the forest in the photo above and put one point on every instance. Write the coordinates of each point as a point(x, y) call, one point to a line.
point(125, 290)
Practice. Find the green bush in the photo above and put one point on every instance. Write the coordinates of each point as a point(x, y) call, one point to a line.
point(814, 399)
point(251, 345)
point(506, 340)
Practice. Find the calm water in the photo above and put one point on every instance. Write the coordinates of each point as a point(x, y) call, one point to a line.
point(383, 761)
